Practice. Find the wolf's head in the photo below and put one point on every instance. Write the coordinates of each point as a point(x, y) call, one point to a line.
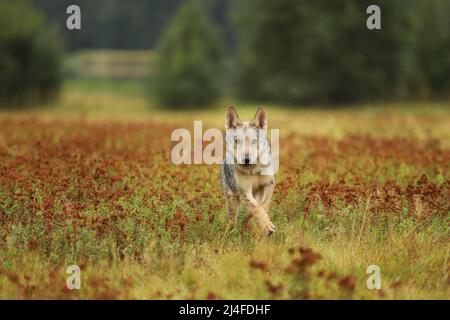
point(246, 141)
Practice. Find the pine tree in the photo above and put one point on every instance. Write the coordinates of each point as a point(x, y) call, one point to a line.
point(30, 56)
point(188, 68)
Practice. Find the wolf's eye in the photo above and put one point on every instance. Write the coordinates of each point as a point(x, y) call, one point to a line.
point(237, 141)
point(254, 142)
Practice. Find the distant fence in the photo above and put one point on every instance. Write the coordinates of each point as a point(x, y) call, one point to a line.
point(110, 64)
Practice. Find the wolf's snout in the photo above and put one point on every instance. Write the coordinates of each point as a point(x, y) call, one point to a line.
point(247, 160)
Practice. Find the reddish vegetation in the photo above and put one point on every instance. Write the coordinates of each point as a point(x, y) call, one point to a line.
point(107, 188)
point(74, 175)
point(301, 277)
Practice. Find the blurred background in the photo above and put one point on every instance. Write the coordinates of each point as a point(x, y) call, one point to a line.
point(183, 54)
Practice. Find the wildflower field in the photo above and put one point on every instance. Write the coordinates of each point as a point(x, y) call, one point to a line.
point(89, 182)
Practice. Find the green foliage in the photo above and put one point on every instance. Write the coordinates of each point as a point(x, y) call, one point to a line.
point(321, 51)
point(433, 44)
point(187, 69)
point(145, 20)
point(29, 56)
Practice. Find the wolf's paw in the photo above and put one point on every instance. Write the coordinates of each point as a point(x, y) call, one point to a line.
point(268, 228)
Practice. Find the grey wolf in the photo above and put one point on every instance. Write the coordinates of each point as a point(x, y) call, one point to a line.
point(243, 180)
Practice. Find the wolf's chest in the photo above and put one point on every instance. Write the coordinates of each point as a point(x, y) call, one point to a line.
point(253, 182)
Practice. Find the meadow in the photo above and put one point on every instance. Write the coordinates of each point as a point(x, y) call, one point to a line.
point(89, 181)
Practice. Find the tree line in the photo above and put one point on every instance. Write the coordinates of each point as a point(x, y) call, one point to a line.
point(295, 52)
point(119, 24)
point(289, 52)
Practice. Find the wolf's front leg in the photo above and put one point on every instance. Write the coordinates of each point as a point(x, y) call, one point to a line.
point(259, 213)
point(233, 206)
point(266, 196)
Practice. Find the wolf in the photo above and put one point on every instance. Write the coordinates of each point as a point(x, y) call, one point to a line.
point(245, 177)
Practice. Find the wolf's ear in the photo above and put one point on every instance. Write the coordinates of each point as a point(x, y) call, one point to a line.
point(231, 118)
point(260, 118)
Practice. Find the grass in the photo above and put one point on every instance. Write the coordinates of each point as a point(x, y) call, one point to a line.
point(89, 182)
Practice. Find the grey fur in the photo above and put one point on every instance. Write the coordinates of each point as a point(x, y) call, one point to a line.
point(227, 177)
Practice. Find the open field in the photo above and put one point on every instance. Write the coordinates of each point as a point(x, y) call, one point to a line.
point(111, 64)
point(90, 182)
